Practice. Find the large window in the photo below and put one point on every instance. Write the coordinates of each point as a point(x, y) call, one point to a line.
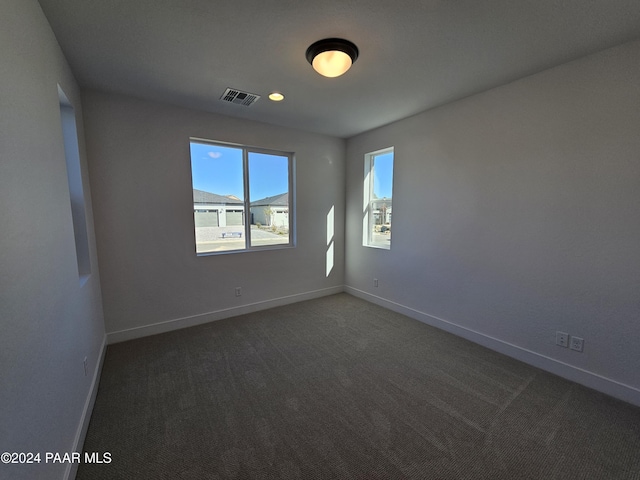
point(242, 197)
point(378, 194)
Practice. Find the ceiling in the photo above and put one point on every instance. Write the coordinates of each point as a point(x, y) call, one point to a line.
point(414, 55)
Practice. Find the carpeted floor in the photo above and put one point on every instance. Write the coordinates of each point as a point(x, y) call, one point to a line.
point(338, 388)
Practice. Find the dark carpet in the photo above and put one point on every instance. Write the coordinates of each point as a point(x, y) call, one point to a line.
point(338, 388)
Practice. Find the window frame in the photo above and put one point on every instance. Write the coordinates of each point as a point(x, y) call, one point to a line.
point(246, 201)
point(368, 197)
point(77, 201)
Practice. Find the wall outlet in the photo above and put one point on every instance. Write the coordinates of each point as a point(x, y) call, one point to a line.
point(576, 344)
point(86, 369)
point(562, 339)
point(238, 291)
point(375, 282)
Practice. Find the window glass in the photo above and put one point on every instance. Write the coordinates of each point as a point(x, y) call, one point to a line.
point(76, 191)
point(226, 218)
point(218, 197)
point(269, 198)
point(378, 195)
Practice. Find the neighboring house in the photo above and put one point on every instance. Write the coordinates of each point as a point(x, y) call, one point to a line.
point(271, 211)
point(213, 210)
point(382, 211)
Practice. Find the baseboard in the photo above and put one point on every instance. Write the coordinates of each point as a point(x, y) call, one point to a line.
point(178, 323)
point(83, 426)
point(592, 380)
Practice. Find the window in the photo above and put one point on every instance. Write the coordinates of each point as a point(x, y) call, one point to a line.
point(76, 191)
point(242, 197)
point(378, 194)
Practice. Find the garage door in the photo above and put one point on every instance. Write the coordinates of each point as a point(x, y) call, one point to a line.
point(234, 217)
point(206, 218)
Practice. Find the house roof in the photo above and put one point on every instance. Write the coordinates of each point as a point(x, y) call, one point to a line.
point(281, 200)
point(200, 196)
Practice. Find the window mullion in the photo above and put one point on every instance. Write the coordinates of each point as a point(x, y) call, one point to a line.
point(247, 200)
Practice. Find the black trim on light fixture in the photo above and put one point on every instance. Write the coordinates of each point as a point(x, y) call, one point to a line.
point(329, 44)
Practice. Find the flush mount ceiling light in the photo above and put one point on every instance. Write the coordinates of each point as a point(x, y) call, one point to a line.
point(332, 57)
point(276, 96)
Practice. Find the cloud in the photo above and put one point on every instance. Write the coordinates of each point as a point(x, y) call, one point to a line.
point(214, 154)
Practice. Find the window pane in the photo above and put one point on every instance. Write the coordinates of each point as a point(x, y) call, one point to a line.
point(269, 199)
point(218, 197)
point(76, 192)
point(378, 199)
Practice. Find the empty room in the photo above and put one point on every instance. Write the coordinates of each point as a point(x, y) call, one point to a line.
point(330, 240)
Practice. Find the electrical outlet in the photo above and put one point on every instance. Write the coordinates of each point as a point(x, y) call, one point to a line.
point(576, 344)
point(562, 339)
point(375, 282)
point(86, 370)
point(238, 291)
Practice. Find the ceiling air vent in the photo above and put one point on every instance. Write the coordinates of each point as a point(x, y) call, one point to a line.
point(233, 95)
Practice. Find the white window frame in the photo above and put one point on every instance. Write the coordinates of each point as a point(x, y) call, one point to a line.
point(246, 150)
point(368, 199)
point(76, 189)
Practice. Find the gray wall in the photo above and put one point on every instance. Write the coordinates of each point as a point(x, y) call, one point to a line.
point(48, 322)
point(516, 214)
point(151, 278)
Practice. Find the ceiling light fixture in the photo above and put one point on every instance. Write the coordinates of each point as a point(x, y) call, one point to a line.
point(276, 96)
point(332, 57)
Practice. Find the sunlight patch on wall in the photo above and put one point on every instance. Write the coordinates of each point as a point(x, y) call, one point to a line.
point(330, 256)
point(330, 232)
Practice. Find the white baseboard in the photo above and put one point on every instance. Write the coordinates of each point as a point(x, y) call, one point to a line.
point(178, 323)
point(592, 380)
point(83, 426)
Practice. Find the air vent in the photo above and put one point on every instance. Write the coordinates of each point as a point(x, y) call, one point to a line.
point(233, 95)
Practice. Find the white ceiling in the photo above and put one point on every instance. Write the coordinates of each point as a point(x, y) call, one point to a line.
point(414, 55)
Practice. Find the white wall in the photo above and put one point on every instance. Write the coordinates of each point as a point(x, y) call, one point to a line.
point(48, 322)
point(152, 280)
point(516, 214)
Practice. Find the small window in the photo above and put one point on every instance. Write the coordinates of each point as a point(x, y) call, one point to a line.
point(242, 197)
point(378, 194)
point(76, 191)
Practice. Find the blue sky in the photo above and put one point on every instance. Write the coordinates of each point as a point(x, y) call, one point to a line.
point(383, 175)
point(218, 169)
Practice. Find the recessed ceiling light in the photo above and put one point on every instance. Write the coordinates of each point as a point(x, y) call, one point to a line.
point(276, 96)
point(332, 57)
